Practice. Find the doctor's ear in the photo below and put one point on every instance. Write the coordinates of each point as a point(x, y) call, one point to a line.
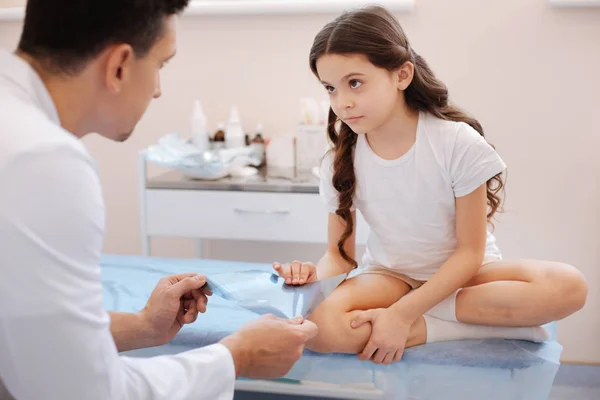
point(119, 63)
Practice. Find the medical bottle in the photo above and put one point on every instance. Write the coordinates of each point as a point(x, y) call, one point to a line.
point(198, 128)
point(234, 133)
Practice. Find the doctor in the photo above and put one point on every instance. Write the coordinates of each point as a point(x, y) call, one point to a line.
point(80, 67)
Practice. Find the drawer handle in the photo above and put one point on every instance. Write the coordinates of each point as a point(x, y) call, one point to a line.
point(264, 212)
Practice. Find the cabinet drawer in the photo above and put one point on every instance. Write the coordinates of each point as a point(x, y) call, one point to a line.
point(285, 217)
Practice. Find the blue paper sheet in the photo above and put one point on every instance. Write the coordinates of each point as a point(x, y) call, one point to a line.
point(471, 369)
point(264, 292)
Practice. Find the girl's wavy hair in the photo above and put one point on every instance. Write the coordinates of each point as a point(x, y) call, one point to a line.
point(374, 32)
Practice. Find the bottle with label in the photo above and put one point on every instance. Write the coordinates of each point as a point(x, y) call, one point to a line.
point(258, 144)
point(199, 132)
point(235, 136)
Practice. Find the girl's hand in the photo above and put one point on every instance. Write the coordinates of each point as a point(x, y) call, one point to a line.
point(388, 335)
point(297, 272)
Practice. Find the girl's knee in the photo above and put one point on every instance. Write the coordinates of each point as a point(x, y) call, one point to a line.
point(328, 318)
point(335, 333)
point(568, 285)
point(576, 287)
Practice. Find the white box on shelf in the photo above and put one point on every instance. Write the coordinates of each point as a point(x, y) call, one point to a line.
point(311, 146)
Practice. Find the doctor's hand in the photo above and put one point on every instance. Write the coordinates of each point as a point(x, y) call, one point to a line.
point(268, 347)
point(389, 333)
point(297, 272)
point(176, 301)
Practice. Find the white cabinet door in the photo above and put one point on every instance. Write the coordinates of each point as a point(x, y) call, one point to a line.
point(277, 217)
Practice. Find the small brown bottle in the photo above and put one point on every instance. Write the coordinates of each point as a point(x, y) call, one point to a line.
point(219, 136)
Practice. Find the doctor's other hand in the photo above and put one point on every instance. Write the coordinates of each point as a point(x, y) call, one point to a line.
point(268, 347)
point(176, 301)
point(297, 272)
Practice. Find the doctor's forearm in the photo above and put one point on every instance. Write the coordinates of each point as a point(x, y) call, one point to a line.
point(130, 332)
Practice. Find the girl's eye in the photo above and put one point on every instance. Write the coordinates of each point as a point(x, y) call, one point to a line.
point(355, 84)
point(330, 89)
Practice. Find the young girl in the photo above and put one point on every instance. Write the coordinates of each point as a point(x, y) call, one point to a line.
point(427, 183)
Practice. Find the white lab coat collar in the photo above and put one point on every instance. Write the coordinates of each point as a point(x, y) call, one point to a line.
point(20, 78)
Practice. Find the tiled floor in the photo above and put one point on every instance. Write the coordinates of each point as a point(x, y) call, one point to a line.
point(576, 382)
point(573, 382)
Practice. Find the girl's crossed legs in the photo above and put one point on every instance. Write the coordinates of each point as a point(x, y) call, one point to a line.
point(520, 293)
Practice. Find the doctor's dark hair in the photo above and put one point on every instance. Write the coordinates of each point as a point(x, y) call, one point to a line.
point(63, 35)
point(375, 33)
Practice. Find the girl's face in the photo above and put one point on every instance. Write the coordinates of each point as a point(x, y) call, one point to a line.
point(362, 95)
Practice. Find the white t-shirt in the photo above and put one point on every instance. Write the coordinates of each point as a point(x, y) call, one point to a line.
point(55, 339)
point(409, 202)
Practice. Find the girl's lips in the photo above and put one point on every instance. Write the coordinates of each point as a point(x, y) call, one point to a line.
point(353, 119)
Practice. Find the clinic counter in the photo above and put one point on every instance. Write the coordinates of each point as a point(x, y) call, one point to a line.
point(267, 180)
point(271, 206)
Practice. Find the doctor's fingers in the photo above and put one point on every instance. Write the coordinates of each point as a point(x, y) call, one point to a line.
point(307, 330)
point(183, 288)
point(297, 320)
point(190, 312)
point(201, 300)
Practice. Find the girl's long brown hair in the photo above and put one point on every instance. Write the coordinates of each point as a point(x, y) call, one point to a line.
point(374, 32)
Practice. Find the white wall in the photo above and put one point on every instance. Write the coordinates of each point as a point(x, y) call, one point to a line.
point(527, 71)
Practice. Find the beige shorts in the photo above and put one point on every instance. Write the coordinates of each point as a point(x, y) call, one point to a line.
point(413, 283)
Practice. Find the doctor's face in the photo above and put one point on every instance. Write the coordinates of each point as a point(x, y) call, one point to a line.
point(135, 83)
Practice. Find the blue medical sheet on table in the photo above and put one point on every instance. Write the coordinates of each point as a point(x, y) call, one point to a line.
point(468, 369)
